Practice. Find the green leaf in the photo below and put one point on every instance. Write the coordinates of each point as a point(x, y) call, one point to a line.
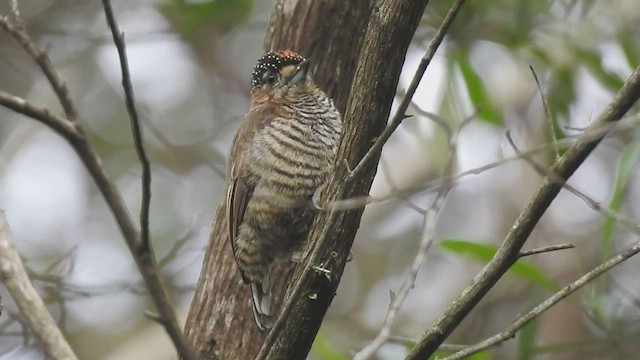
point(190, 19)
point(592, 60)
point(630, 47)
point(477, 91)
point(322, 349)
point(561, 95)
point(627, 162)
point(482, 355)
point(484, 253)
point(528, 334)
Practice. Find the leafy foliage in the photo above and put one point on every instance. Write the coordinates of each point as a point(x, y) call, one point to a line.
point(484, 252)
point(192, 18)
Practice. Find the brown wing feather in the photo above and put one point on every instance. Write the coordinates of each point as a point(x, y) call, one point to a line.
point(238, 194)
point(238, 190)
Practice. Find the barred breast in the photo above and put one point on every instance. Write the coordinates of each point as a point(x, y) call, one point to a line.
point(289, 159)
point(293, 154)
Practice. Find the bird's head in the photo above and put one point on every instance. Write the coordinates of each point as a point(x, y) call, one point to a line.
point(278, 73)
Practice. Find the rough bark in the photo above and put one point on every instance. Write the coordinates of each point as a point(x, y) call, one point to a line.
point(220, 323)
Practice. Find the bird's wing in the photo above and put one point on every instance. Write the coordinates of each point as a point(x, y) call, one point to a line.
point(239, 191)
point(238, 194)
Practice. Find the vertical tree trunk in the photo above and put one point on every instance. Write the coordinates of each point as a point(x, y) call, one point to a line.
point(220, 324)
point(391, 26)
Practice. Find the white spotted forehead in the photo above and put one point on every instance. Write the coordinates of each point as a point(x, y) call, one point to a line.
point(271, 61)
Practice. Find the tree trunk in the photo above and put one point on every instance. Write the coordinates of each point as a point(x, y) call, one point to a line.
point(391, 27)
point(220, 324)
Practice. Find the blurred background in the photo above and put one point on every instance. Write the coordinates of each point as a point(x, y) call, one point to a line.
point(191, 63)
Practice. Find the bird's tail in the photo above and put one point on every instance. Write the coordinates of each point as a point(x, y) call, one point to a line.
point(261, 293)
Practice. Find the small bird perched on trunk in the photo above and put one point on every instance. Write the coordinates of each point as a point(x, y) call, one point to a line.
point(281, 155)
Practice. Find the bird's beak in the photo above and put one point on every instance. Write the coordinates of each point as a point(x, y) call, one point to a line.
point(300, 75)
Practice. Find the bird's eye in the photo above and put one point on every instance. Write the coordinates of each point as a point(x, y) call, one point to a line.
point(270, 78)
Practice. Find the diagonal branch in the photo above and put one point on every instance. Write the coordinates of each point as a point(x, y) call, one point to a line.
point(14, 276)
point(627, 222)
point(545, 305)
point(625, 124)
point(429, 225)
point(508, 252)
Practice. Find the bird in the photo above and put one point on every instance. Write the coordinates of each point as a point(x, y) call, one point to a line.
point(280, 159)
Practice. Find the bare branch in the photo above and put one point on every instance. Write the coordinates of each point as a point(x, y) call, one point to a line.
point(546, 249)
point(166, 315)
point(15, 278)
point(626, 123)
point(545, 305)
point(60, 125)
point(16, 28)
point(177, 245)
point(630, 122)
point(424, 246)
point(508, 252)
point(136, 130)
point(71, 130)
point(376, 148)
point(627, 222)
point(549, 117)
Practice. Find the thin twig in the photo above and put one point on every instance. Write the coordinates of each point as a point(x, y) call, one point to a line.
point(627, 222)
point(628, 123)
point(16, 28)
point(60, 125)
point(177, 245)
point(15, 278)
point(545, 305)
point(165, 316)
point(386, 173)
point(424, 246)
point(136, 130)
point(71, 130)
point(400, 115)
point(153, 316)
point(508, 252)
point(548, 117)
point(546, 249)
